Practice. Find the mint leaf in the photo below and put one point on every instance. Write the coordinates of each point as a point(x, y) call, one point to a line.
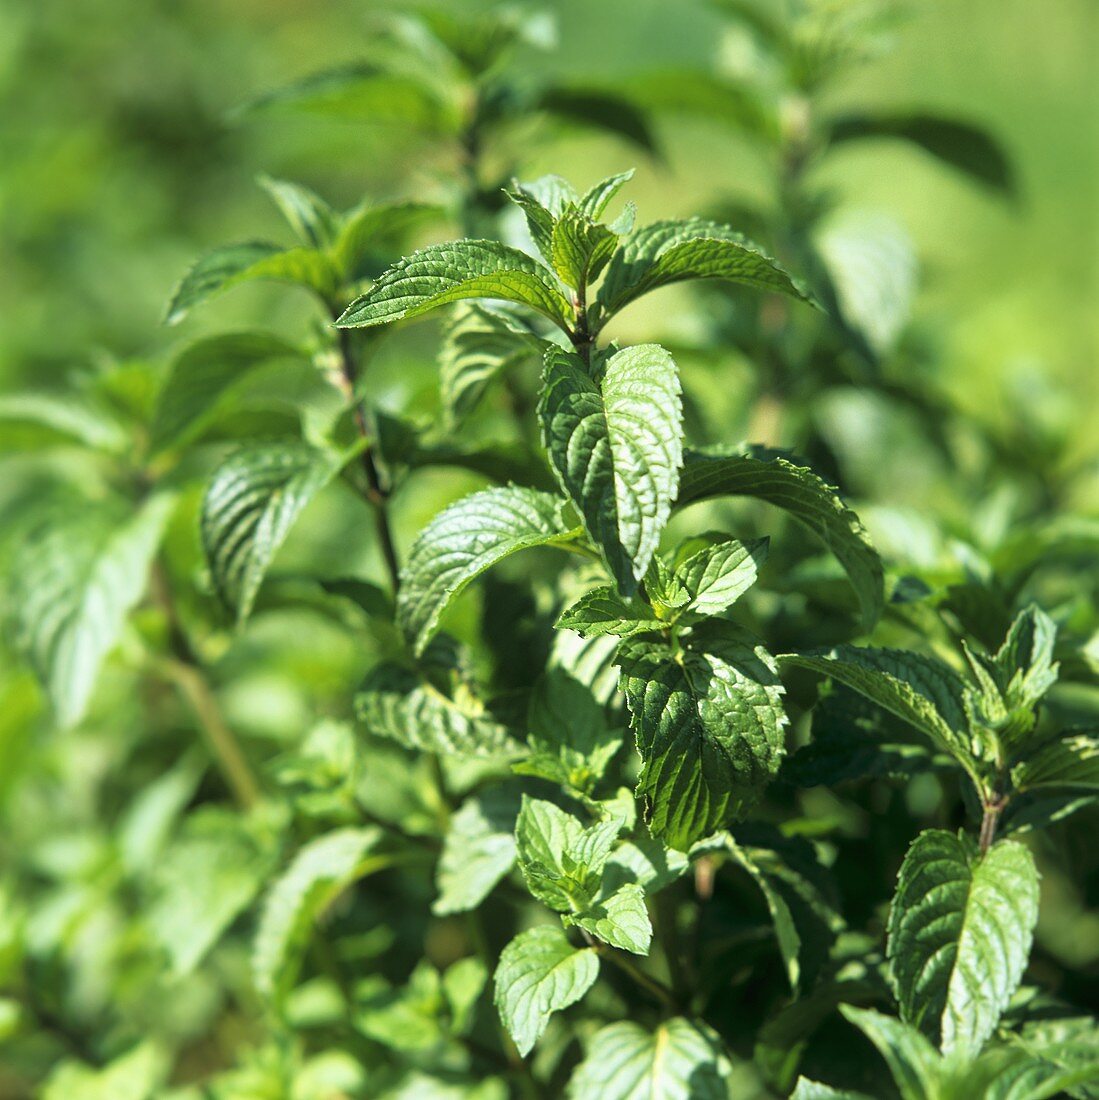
point(620, 919)
point(813, 503)
point(464, 540)
point(913, 1061)
point(540, 973)
point(445, 273)
point(561, 860)
point(960, 928)
point(318, 874)
point(602, 611)
point(204, 377)
point(59, 417)
point(1069, 761)
point(677, 1061)
point(307, 214)
point(74, 581)
point(580, 248)
point(813, 1090)
point(233, 264)
point(716, 576)
point(709, 725)
point(669, 252)
point(616, 447)
point(249, 506)
point(478, 850)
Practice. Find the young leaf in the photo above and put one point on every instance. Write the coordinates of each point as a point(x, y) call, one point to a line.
point(616, 447)
point(968, 148)
point(602, 611)
point(249, 506)
point(480, 343)
point(402, 706)
point(204, 377)
point(960, 928)
point(543, 201)
point(234, 264)
point(672, 251)
point(922, 690)
point(452, 272)
point(715, 576)
point(1069, 761)
point(74, 581)
point(540, 973)
point(580, 248)
point(310, 217)
point(478, 850)
point(319, 873)
point(569, 739)
point(464, 540)
point(594, 202)
point(678, 1061)
point(561, 860)
point(619, 918)
point(913, 1061)
point(813, 503)
point(709, 725)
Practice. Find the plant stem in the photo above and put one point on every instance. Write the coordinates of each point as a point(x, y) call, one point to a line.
point(650, 984)
point(185, 670)
point(992, 810)
point(376, 495)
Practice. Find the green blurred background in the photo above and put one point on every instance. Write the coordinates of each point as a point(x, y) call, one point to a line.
point(120, 163)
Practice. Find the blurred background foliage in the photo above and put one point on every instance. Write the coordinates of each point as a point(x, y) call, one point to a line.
point(124, 155)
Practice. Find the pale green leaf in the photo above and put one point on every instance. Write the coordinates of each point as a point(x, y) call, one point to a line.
point(669, 252)
point(644, 861)
point(478, 850)
point(619, 918)
point(913, 1061)
point(709, 725)
point(616, 447)
point(318, 874)
point(464, 540)
point(233, 264)
point(540, 973)
point(810, 501)
point(813, 1090)
point(203, 378)
point(73, 583)
point(921, 690)
point(248, 508)
point(960, 928)
point(594, 201)
point(677, 1061)
point(452, 272)
point(1070, 761)
point(136, 1075)
point(61, 416)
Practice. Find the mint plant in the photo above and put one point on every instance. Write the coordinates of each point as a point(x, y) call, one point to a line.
point(525, 737)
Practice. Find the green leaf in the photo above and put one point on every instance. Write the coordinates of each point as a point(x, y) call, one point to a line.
point(716, 576)
point(204, 378)
point(709, 725)
point(616, 447)
point(542, 202)
point(913, 1061)
point(598, 109)
point(921, 690)
point(568, 734)
point(478, 850)
point(233, 264)
point(138, 1074)
point(480, 343)
point(202, 882)
point(440, 715)
point(250, 504)
point(646, 862)
point(594, 202)
point(813, 1090)
point(960, 928)
point(371, 233)
point(74, 581)
point(69, 416)
point(561, 860)
point(619, 918)
point(452, 272)
point(813, 503)
point(464, 540)
point(540, 973)
point(968, 148)
point(669, 252)
point(1070, 761)
point(319, 873)
point(602, 611)
point(310, 217)
point(677, 1061)
point(580, 248)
